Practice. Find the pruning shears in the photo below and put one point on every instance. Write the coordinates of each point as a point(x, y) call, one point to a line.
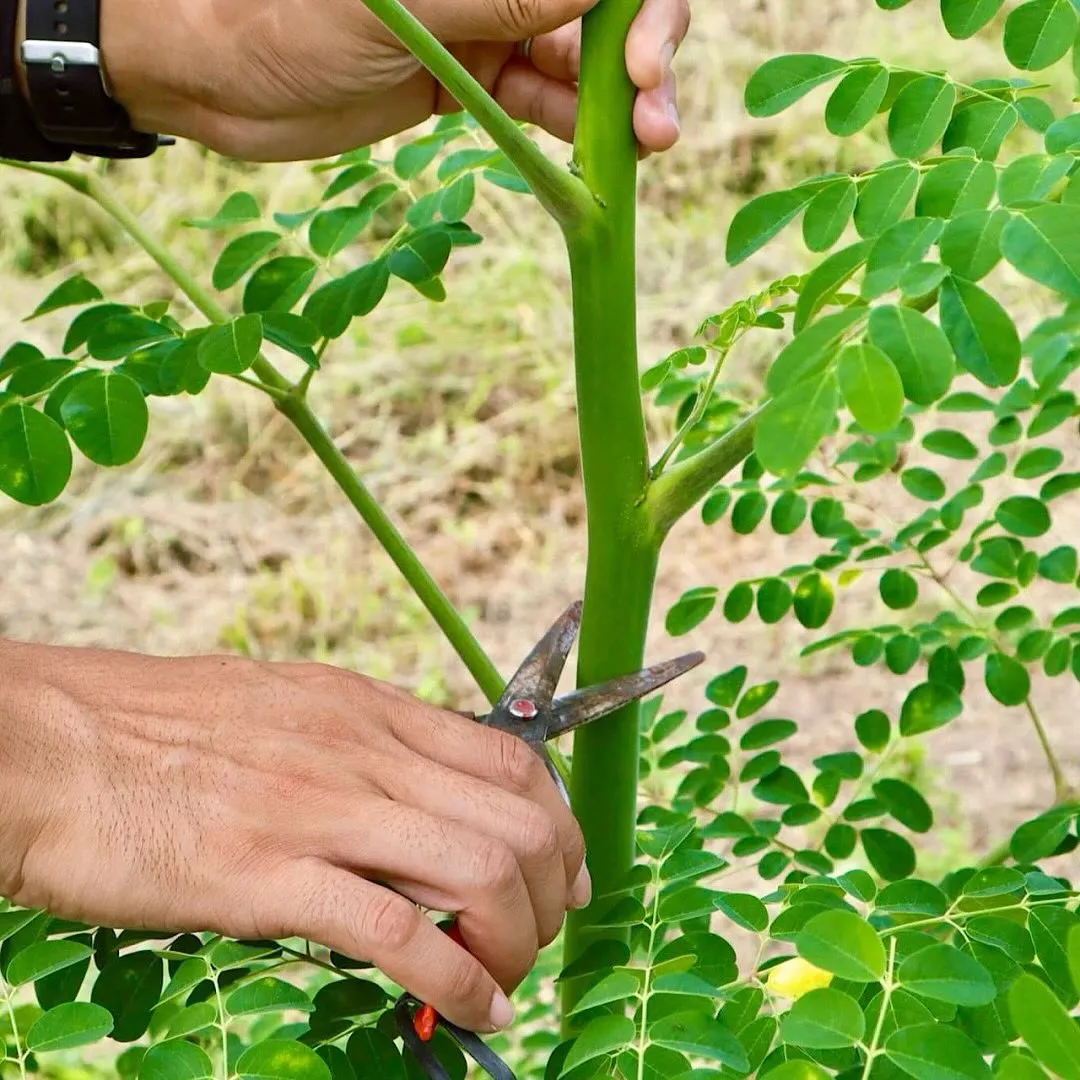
point(527, 710)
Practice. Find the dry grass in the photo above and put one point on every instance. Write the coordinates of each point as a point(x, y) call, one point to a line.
point(460, 418)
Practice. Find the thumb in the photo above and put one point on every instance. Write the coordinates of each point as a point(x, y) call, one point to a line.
point(496, 20)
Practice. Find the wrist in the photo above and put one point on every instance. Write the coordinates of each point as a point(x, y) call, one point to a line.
point(20, 34)
point(27, 770)
point(143, 69)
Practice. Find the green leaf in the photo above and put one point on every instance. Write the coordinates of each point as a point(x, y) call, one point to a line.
point(923, 483)
point(1038, 462)
point(981, 126)
point(873, 730)
point(35, 456)
point(1023, 515)
point(884, 198)
point(75, 1023)
point(944, 973)
point(1039, 33)
point(821, 284)
point(281, 1059)
point(128, 986)
point(811, 351)
point(240, 207)
point(1044, 1025)
point(814, 600)
point(602, 1036)
point(793, 424)
point(823, 1019)
point(899, 246)
point(828, 213)
point(75, 290)
point(898, 589)
point(240, 256)
point(889, 853)
point(278, 284)
point(106, 416)
point(331, 231)
point(970, 246)
point(929, 706)
point(421, 256)
point(871, 387)
point(744, 910)
point(905, 804)
point(936, 1052)
point(793, 1069)
point(856, 99)
point(43, 958)
point(841, 942)
point(920, 115)
point(1043, 243)
point(1040, 838)
point(231, 349)
point(1031, 177)
point(691, 609)
point(1007, 679)
point(982, 335)
point(699, 1035)
point(176, 1059)
point(964, 18)
point(919, 350)
point(759, 220)
point(956, 186)
point(951, 444)
point(267, 995)
point(783, 80)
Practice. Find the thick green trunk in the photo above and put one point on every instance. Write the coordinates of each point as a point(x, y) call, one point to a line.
point(623, 544)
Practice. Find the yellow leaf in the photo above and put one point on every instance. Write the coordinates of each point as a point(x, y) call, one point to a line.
point(796, 977)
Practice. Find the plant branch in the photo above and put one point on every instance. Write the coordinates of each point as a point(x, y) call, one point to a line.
point(449, 619)
point(562, 194)
point(698, 411)
point(675, 492)
point(290, 402)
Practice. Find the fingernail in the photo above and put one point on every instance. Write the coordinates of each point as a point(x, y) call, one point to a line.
point(672, 111)
point(581, 891)
point(667, 54)
point(502, 1012)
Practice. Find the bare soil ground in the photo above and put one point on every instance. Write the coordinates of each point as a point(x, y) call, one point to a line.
point(224, 536)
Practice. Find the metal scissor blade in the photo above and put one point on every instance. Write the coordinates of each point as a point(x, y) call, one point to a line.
point(578, 708)
point(539, 674)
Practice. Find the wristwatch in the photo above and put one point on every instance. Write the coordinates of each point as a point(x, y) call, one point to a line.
point(69, 98)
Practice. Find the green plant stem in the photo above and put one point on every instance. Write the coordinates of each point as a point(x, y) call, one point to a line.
point(622, 547)
point(296, 410)
point(678, 490)
point(561, 193)
point(290, 402)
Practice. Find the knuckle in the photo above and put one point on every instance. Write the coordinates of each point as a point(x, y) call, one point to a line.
point(517, 16)
point(516, 764)
point(388, 922)
point(497, 869)
point(471, 982)
point(540, 836)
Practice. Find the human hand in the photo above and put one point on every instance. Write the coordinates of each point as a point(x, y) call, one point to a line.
point(275, 80)
point(264, 800)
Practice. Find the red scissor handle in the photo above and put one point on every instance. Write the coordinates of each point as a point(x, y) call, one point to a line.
point(426, 1019)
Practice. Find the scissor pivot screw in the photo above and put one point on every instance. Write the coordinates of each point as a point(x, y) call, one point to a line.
point(523, 709)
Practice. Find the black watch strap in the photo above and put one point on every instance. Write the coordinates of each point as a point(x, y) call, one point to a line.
point(67, 92)
point(20, 138)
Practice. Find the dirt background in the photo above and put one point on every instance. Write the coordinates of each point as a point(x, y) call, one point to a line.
point(225, 537)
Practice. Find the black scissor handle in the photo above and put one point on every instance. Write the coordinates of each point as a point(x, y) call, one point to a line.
point(471, 1044)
